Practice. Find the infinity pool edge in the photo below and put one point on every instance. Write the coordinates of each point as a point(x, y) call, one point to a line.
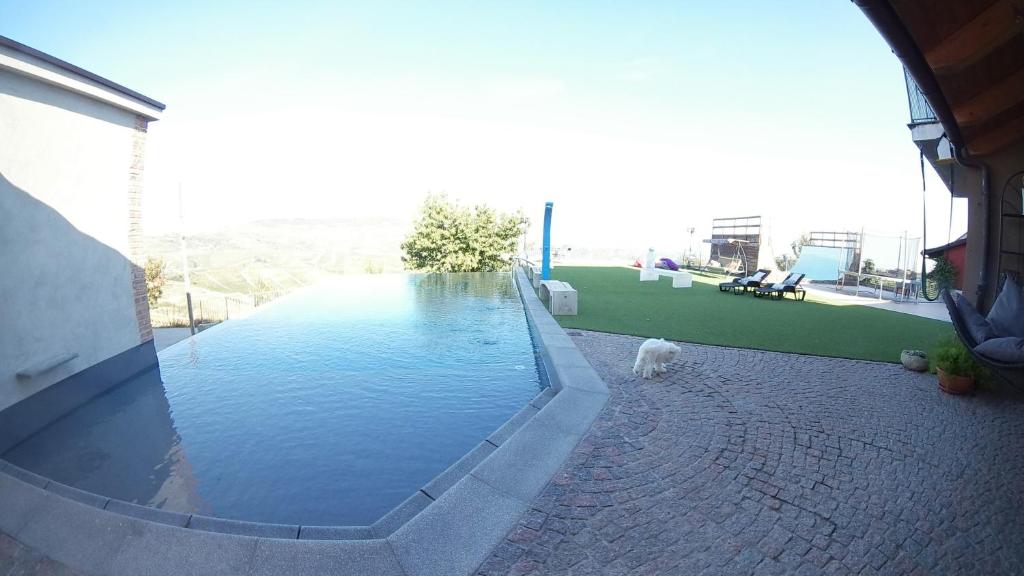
point(449, 526)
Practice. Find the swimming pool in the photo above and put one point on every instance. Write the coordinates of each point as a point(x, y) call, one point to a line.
point(329, 407)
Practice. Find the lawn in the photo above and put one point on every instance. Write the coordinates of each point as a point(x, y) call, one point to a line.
point(614, 300)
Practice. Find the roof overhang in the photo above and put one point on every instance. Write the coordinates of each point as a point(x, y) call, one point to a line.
point(940, 250)
point(20, 59)
point(967, 56)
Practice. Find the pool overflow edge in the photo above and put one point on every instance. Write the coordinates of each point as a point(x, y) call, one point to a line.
point(477, 499)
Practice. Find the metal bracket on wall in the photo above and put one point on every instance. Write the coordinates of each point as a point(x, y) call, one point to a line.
point(46, 365)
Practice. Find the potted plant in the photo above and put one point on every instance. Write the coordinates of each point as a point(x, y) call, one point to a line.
point(956, 368)
point(915, 360)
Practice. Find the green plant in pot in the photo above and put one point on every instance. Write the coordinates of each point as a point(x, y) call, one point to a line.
point(957, 370)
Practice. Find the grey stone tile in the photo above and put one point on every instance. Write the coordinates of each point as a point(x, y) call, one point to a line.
point(580, 377)
point(405, 511)
point(18, 503)
point(147, 513)
point(336, 533)
point(26, 476)
point(553, 336)
point(543, 398)
point(523, 465)
point(78, 495)
point(553, 380)
point(318, 557)
point(533, 304)
point(566, 354)
point(457, 532)
point(455, 472)
point(226, 526)
point(154, 549)
point(509, 428)
point(572, 410)
point(81, 536)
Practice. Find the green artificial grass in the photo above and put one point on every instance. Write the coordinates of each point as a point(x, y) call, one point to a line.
point(614, 300)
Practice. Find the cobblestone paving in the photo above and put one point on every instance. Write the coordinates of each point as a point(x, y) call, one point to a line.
point(749, 462)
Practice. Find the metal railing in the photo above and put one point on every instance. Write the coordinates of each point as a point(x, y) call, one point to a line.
point(209, 309)
point(920, 110)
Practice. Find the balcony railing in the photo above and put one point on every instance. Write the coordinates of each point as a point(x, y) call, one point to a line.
point(920, 109)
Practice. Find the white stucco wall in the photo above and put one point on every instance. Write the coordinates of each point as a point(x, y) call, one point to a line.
point(65, 274)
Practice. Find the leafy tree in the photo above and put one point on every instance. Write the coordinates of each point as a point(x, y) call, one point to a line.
point(155, 279)
point(785, 262)
point(447, 237)
point(798, 245)
point(944, 273)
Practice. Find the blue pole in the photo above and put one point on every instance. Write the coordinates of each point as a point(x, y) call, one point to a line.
point(545, 267)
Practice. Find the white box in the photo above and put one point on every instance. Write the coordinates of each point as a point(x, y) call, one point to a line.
point(563, 300)
point(682, 280)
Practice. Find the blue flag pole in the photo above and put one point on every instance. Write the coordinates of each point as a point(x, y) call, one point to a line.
point(545, 267)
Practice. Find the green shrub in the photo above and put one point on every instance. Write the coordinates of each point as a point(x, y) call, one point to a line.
point(944, 273)
point(954, 358)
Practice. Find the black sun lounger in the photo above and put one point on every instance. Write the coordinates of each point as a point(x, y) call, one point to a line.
point(741, 285)
point(791, 285)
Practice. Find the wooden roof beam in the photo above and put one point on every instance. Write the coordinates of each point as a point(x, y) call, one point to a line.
point(974, 40)
point(995, 99)
point(999, 132)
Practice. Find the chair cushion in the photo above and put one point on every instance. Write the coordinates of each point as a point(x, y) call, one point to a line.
point(1007, 313)
point(1008, 349)
point(979, 328)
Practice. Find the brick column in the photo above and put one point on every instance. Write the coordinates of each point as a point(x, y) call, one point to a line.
point(135, 250)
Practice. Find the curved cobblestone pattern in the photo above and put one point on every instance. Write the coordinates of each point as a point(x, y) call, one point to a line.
point(743, 461)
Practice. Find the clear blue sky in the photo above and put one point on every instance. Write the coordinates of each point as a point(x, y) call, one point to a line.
point(638, 119)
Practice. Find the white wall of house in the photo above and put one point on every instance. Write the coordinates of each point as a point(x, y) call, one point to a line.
point(66, 277)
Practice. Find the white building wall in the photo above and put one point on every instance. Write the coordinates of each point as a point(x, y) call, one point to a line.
point(66, 278)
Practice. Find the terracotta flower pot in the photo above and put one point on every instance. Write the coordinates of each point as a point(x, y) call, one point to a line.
point(955, 384)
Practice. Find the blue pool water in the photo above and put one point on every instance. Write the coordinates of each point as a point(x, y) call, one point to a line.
point(329, 407)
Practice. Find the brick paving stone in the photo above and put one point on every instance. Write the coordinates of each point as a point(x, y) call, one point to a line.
point(751, 462)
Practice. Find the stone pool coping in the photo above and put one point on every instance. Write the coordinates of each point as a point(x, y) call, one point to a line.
point(448, 527)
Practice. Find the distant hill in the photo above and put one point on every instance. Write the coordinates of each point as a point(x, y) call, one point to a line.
point(270, 255)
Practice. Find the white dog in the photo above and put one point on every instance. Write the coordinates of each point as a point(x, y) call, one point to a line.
point(653, 356)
